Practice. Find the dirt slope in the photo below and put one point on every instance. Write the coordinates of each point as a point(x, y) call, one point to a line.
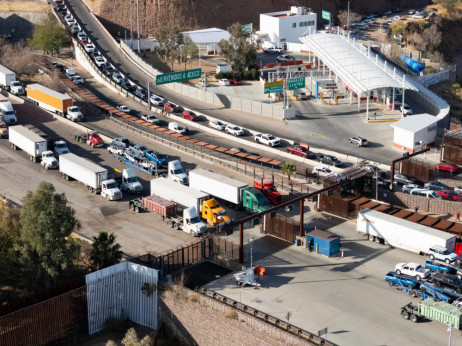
point(197, 14)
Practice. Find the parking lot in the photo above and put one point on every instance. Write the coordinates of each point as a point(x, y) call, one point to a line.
point(349, 295)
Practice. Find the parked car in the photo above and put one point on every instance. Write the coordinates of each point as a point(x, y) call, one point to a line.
point(412, 269)
point(124, 109)
point(448, 280)
point(403, 179)
point(425, 193)
point(156, 101)
point(359, 141)
point(449, 195)
point(437, 267)
point(125, 84)
point(405, 109)
point(108, 70)
point(117, 77)
point(323, 171)
point(284, 58)
point(175, 127)
point(458, 189)
point(409, 187)
point(217, 125)
point(271, 50)
point(223, 82)
point(300, 150)
point(203, 83)
point(190, 115)
point(330, 160)
point(150, 118)
point(234, 81)
point(81, 36)
point(121, 141)
point(301, 96)
point(401, 279)
point(396, 18)
point(436, 185)
point(444, 166)
point(234, 130)
point(77, 80)
point(387, 13)
point(442, 254)
point(141, 93)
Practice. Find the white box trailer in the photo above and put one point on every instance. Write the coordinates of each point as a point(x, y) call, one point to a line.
point(28, 141)
point(83, 170)
point(402, 233)
point(217, 185)
point(183, 195)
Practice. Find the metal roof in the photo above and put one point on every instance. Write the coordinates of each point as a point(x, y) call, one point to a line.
point(211, 35)
point(415, 123)
point(355, 64)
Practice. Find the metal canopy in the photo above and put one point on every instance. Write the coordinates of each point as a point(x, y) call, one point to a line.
point(350, 61)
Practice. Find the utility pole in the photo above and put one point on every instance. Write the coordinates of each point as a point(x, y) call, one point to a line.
point(131, 26)
point(348, 21)
point(138, 23)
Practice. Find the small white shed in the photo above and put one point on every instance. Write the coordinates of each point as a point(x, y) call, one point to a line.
point(414, 130)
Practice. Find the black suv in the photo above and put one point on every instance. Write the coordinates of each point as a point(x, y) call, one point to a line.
point(329, 160)
point(448, 280)
point(141, 93)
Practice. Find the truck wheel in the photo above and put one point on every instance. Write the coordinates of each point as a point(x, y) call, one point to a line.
point(371, 237)
point(444, 272)
point(238, 282)
point(420, 296)
point(176, 226)
point(409, 285)
point(170, 224)
point(67, 177)
point(391, 283)
point(137, 209)
point(108, 197)
point(405, 315)
point(413, 294)
point(447, 261)
point(46, 167)
point(398, 271)
point(432, 257)
point(458, 291)
point(418, 277)
point(414, 318)
point(92, 145)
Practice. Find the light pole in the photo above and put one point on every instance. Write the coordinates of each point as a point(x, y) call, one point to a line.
point(138, 24)
point(181, 61)
point(251, 254)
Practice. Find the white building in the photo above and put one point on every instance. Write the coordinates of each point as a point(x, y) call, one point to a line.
point(287, 26)
point(413, 131)
point(207, 39)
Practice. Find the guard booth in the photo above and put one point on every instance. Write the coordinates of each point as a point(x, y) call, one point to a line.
point(323, 242)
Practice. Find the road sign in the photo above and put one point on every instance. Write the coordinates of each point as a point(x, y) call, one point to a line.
point(296, 83)
point(246, 28)
point(178, 76)
point(325, 15)
point(274, 87)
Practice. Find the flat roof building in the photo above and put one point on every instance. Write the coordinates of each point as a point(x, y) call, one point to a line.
point(413, 131)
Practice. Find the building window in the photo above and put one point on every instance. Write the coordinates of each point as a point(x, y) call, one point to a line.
point(294, 25)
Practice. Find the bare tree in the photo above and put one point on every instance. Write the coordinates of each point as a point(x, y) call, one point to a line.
point(432, 37)
point(19, 57)
point(343, 17)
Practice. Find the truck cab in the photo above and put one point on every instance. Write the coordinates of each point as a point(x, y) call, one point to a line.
point(110, 190)
point(49, 160)
point(60, 147)
point(6, 109)
point(214, 214)
point(130, 181)
point(16, 88)
point(74, 114)
point(176, 172)
point(268, 189)
point(192, 223)
point(253, 200)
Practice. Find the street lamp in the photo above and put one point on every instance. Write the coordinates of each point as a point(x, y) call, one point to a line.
point(250, 241)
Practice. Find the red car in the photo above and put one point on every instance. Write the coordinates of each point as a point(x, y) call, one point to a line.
point(84, 42)
point(188, 115)
point(450, 195)
point(234, 81)
point(449, 167)
point(171, 107)
point(301, 151)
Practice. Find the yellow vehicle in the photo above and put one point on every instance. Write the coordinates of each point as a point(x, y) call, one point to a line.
point(213, 213)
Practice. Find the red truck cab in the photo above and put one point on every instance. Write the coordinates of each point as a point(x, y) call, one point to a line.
point(268, 189)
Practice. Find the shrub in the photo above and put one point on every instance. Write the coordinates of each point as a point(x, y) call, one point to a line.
point(231, 314)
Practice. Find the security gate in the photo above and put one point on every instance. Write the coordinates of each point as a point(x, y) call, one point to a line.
point(280, 226)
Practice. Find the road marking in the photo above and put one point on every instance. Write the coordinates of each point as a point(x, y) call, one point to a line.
point(315, 134)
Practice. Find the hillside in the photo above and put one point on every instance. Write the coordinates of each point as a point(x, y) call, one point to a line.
point(197, 14)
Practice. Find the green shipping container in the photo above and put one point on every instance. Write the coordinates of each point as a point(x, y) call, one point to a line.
point(441, 312)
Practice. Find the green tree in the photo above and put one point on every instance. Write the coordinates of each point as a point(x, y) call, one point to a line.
point(47, 222)
point(398, 28)
point(188, 51)
point(240, 49)
point(288, 168)
point(50, 36)
point(9, 239)
point(105, 252)
point(170, 40)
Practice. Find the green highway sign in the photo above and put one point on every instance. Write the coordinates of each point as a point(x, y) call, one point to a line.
point(325, 15)
point(296, 83)
point(274, 87)
point(178, 76)
point(246, 28)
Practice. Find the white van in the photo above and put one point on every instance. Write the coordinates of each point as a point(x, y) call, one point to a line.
point(425, 193)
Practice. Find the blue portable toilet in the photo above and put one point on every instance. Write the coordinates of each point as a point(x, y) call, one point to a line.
point(323, 242)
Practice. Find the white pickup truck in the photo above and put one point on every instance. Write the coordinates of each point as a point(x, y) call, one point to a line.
point(412, 269)
point(267, 139)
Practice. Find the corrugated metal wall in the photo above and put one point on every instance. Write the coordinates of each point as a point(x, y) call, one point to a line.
point(115, 292)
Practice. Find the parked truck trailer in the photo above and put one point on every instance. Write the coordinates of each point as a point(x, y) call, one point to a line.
point(49, 99)
point(236, 192)
point(400, 233)
point(93, 176)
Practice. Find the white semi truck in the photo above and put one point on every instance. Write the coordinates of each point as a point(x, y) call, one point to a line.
point(177, 173)
point(8, 81)
point(33, 145)
point(400, 233)
point(8, 112)
point(94, 177)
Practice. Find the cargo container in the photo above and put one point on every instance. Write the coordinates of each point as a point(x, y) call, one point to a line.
point(49, 99)
point(441, 312)
point(155, 204)
point(94, 177)
point(400, 233)
point(236, 192)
